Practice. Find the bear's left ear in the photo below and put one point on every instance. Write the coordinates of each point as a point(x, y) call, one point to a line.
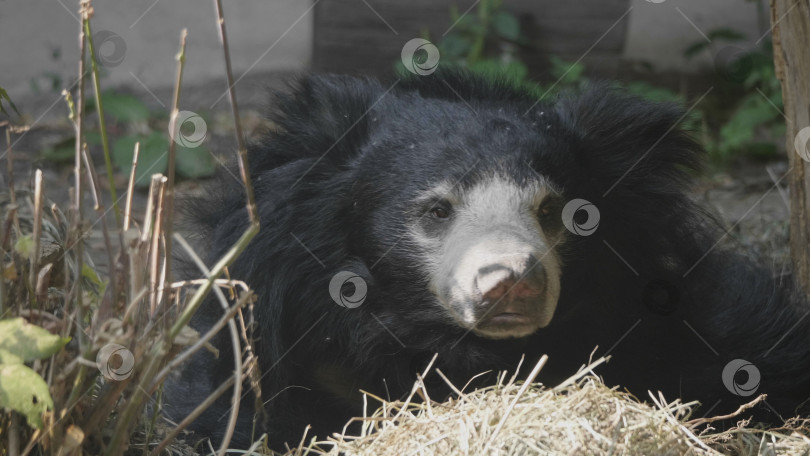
point(625, 141)
point(324, 116)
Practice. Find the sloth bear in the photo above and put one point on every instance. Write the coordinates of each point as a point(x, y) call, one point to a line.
point(462, 216)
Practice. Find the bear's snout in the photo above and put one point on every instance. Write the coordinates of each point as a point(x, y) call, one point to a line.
point(502, 286)
point(512, 280)
point(510, 299)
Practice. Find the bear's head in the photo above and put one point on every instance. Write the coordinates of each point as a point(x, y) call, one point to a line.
point(464, 198)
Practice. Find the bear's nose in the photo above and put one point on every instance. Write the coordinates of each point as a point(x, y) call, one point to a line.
point(510, 290)
point(504, 283)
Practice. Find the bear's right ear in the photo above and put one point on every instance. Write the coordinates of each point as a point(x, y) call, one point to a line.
point(325, 115)
point(626, 142)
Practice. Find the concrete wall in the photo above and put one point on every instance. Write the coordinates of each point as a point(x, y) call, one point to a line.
point(38, 40)
point(660, 30)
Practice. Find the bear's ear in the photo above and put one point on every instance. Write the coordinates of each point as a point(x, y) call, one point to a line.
point(324, 115)
point(624, 141)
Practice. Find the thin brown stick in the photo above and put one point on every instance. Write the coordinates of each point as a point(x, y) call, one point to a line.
point(35, 438)
point(74, 294)
point(12, 209)
point(413, 391)
point(225, 283)
point(105, 143)
point(182, 357)
point(154, 250)
point(14, 435)
point(104, 405)
point(581, 373)
point(450, 384)
point(173, 128)
point(532, 375)
point(240, 141)
point(235, 344)
point(149, 212)
point(43, 281)
point(99, 208)
point(5, 241)
point(739, 411)
point(131, 186)
point(37, 235)
point(239, 246)
point(12, 195)
point(194, 415)
point(133, 303)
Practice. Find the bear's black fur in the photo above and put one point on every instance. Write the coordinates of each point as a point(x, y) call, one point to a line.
point(654, 286)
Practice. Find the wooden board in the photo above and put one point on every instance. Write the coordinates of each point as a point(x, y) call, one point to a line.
point(366, 37)
point(791, 33)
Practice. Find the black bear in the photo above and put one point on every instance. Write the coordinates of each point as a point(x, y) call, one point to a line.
point(458, 215)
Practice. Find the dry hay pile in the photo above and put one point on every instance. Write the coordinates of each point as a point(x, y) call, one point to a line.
point(581, 416)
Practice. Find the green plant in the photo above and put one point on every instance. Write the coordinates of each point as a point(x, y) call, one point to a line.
point(485, 41)
point(131, 121)
point(741, 117)
point(127, 324)
point(4, 96)
point(745, 112)
point(22, 389)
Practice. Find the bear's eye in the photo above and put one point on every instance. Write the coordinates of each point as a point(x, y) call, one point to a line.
point(545, 210)
point(549, 212)
point(440, 212)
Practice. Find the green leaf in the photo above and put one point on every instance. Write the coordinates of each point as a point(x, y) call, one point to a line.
point(91, 137)
point(24, 391)
point(124, 107)
point(152, 158)
point(726, 34)
point(92, 281)
point(24, 246)
point(61, 152)
point(652, 93)
point(467, 23)
point(21, 341)
point(506, 25)
point(194, 162)
point(91, 275)
point(762, 150)
point(567, 73)
point(737, 133)
point(64, 151)
point(454, 47)
point(4, 96)
point(695, 49)
point(514, 72)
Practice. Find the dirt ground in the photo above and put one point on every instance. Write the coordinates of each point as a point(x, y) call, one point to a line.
point(746, 195)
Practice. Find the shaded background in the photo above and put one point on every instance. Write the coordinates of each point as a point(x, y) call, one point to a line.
point(614, 38)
